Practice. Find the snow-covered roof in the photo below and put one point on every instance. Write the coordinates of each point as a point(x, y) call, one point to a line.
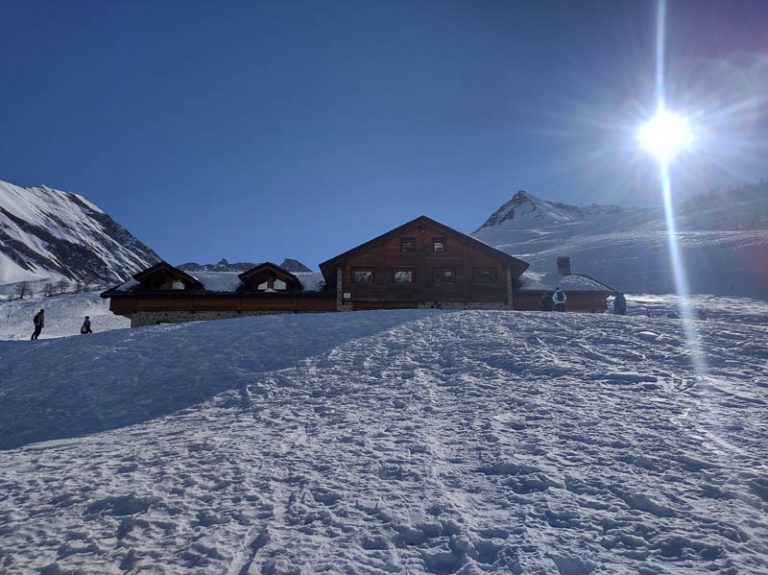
point(229, 282)
point(574, 283)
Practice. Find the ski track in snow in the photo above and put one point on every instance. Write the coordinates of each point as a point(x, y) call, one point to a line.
point(429, 442)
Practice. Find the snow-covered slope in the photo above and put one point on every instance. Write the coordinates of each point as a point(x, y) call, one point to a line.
point(64, 315)
point(420, 442)
point(47, 234)
point(724, 240)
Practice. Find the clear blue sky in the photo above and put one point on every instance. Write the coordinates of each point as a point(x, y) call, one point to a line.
point(261, 130)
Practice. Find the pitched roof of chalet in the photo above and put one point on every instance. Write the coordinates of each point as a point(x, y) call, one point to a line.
point(329, 269)
point(171, 270)
point(266, 268)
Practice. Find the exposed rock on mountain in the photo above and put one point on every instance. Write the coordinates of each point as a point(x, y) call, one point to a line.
point(223, 265)
point(48, 234)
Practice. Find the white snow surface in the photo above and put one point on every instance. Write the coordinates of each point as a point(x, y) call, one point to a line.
point(422, 442)
point(64, 315)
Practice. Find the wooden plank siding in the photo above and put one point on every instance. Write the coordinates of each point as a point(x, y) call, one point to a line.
point(412, 248)
point(577, 301)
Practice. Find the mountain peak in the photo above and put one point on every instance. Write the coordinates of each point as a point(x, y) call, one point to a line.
point(525, 209)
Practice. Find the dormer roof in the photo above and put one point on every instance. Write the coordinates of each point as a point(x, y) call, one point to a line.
point(164, 269)
point(266, 271)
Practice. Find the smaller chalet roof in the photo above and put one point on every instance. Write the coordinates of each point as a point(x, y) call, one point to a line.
point(218, 282)
point(173, 271)
point(328, 267)
point(268, 268)
point(574, 283)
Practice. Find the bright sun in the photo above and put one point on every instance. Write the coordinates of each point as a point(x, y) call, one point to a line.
point(665, 135)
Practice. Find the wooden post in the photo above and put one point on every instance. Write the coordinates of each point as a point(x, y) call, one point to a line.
point(510, 292)
point(339, 289)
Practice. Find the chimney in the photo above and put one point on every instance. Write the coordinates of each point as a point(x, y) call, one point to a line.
point(564, 265)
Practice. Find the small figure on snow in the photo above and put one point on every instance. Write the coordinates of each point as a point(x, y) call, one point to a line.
point(559, 298)
point(620, 304)
point(86, 326)
point(546, 302)
point(39, 321)
point(703, 315)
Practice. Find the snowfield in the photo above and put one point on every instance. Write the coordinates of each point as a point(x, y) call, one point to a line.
point(420, 442)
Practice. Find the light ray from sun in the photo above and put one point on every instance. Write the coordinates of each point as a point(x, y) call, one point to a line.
point(671, 135)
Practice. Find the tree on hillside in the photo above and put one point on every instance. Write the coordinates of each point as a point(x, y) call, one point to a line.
point(23, 289)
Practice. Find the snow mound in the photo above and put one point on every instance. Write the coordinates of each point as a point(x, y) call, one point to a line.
point(424, 442)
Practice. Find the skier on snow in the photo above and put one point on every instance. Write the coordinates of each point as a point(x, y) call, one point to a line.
point(39, 321)
point(620, 304)
point(86, 326)
point(559, 298)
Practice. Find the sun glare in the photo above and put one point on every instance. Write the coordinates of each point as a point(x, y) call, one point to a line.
point(665, 135)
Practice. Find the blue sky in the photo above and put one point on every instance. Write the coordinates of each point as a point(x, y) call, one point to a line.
point(262, 130)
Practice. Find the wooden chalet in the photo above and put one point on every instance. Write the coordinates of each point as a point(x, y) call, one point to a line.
point(421, 264)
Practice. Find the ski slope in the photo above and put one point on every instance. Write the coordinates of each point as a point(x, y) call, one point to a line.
point(422, 442)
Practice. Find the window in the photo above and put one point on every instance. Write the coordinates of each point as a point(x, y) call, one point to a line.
point(438, 245)
point(484, 275)
point(403, 275)
point(407, 245)
point(362, 276)
point(443, 275)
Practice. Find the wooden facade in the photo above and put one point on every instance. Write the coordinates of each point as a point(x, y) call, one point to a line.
point(423, 264)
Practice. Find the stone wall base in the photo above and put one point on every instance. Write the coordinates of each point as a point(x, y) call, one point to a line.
point(141, 318)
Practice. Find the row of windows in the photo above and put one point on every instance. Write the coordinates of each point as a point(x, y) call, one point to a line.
point(408, 275)
point(408, 245)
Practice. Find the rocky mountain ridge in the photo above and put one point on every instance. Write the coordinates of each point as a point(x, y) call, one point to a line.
point(223, 265)
point(52, 235)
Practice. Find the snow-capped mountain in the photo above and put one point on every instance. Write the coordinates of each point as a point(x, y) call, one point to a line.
point(48, 234)
point(525, 210)
point(223, 265)
point(723, 238)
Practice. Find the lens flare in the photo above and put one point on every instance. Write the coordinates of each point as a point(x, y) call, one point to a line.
point(665, 135)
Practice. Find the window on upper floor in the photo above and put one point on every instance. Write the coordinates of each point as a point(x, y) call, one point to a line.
point(438, 245)
point(403, 275)
point(407, 245)
point(484, 275)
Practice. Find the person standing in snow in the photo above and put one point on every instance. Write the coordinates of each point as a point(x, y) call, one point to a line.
point(559, 298)
point(86, 326)
point(546, 302)
point(39, 321)
point(620, 304)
